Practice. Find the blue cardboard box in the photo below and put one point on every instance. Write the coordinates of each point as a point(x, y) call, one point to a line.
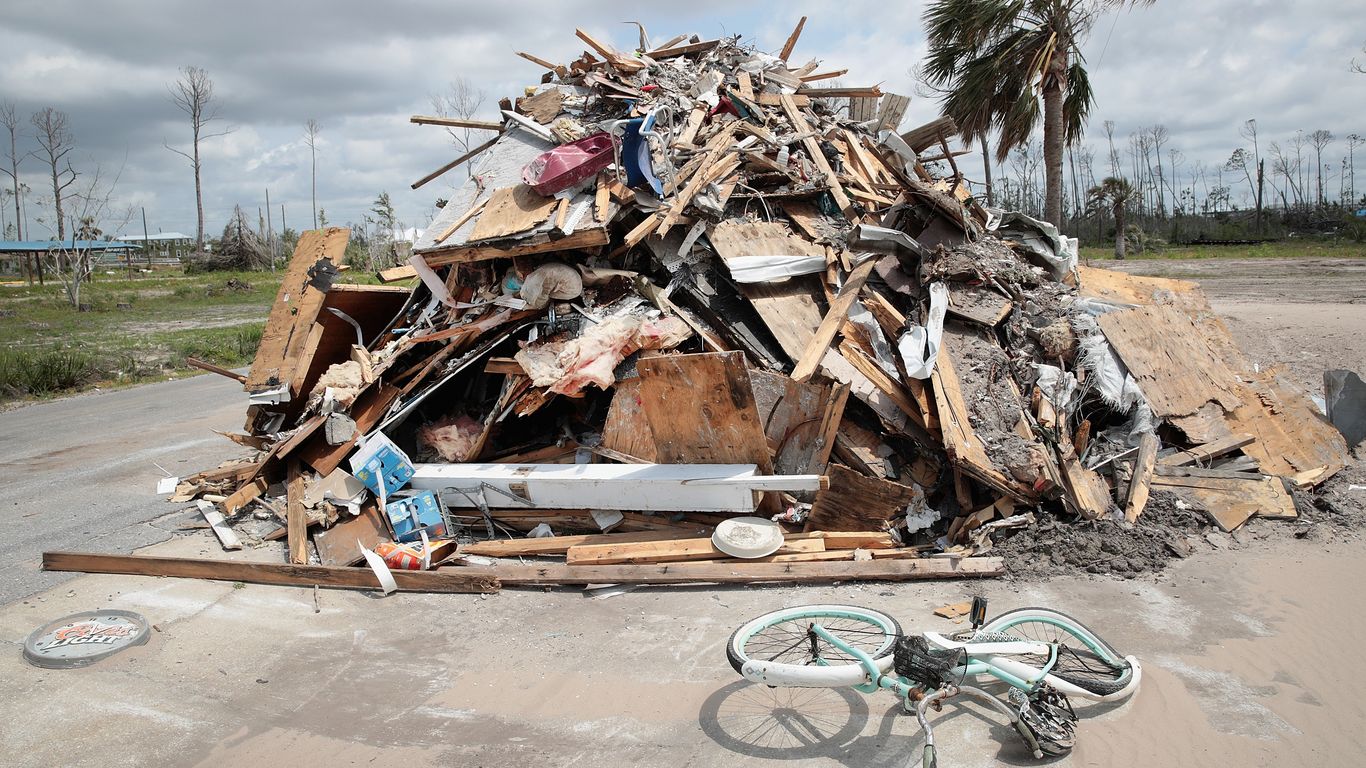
point(380, 461)
point(418, 512)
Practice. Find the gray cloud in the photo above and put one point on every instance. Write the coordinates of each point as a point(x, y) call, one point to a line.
point(361, 69)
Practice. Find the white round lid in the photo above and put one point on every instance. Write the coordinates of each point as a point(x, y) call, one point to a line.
point(748, 537)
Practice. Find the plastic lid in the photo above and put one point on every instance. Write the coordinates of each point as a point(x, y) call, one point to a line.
point(84, 638)
point(748, 537)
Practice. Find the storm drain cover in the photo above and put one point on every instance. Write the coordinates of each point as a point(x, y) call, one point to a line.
point(84, 638)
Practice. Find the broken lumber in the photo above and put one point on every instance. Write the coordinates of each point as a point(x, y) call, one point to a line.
point(740, 572)
point(276, 574)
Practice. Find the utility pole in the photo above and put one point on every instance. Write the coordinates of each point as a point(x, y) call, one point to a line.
point(270, 229)
point(146, 243)
point(1261, 167)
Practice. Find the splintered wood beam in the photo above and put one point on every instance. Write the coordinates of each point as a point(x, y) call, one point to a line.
point(211, 368)
point(839, 310)
point(457, 161)
point(1143, 475)
point(539, 61)
point(824, 75)
point(296, 518)
point(792, 40)
point(867, 91)
point(615, 58)
point(457, 122)
point(740, 572)
point(1203, 453)
point(279, 574)
point(813, 149)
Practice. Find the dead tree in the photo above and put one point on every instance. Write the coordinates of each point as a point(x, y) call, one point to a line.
point(461, 100)
point(311, 129)
point(193, 95)
point(92, 216)
point(10, 119)
point(56, 142)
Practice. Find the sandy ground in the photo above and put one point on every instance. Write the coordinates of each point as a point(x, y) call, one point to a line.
point(1246, 651)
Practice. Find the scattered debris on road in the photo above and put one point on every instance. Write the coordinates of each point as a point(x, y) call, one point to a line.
point(689, 283)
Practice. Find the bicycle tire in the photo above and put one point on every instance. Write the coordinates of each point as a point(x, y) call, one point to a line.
point(878, 637)
point(1089, 662)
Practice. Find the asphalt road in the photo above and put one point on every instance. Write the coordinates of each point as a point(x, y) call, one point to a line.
point(80, 473)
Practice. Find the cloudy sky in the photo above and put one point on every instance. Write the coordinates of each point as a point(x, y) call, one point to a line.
point(360, 69)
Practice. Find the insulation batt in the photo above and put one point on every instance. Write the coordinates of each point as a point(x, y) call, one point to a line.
point(451, 438)
point(557, 281)
point(567, 367)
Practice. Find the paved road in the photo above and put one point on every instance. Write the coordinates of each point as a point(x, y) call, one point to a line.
point(78, 474)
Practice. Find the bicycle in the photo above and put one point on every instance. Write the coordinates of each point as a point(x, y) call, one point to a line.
point(1043, 655)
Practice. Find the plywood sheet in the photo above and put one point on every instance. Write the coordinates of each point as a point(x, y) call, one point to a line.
point(296, 306)
point(1229, 501)
point(627, 430)
point(1169, 357)
point(337, 545)
point(1123, 288)
point(790, 308)
point(855, 502)
point(701, 410)
point(792, 413)
point(511, 211)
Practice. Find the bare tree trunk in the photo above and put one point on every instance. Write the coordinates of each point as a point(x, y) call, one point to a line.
point(198, 200)
point(1053, 139)
point(1119, 229)
point(986, 169)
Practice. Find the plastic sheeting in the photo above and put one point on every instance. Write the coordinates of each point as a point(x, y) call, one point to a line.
point(1050, 248)
point(919, 345)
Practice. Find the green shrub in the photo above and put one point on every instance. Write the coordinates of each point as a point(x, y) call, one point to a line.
point(41, 372)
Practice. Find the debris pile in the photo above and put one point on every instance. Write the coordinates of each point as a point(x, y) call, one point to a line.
point(689, 283)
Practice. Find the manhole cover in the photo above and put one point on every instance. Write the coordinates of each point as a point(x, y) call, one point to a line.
point(84, 638)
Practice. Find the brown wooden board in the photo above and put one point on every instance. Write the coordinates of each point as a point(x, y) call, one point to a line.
point(626, 430)
point(587, 237)
point(980, 305)
point(739, 572)
point(296, 306)
point(613, 553)
point(854, 502)
point(810, 359)
point(372, 306)
point(280, 574)
point(511, 211)
point(558, 545)
point(337, 545)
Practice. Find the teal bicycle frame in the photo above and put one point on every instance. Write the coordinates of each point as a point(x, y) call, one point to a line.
point(907, 689)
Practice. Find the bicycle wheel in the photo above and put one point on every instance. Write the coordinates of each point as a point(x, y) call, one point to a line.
point(1084, 659)
point(784, 636)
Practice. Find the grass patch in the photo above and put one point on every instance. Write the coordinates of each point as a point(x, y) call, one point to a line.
point(42, 372)
point(1283, 249)
point(140, 329)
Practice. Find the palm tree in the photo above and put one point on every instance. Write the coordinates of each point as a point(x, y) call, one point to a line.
point(1116, 192)
point(996, 58)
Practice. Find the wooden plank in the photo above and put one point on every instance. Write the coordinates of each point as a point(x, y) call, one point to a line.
point(620, 61)
point(834, 318)
point(891, 110)
point(337, 545)
point(297, 518)
point(857, 92)
point(891, 387)
point(397, 274)
point(559, 545)
point(220, 527)
point(1203, 453)
point(674, 51)
point(456, 122)
point(1229, 501)
point(789, 308)
point(740, 572)
point(278, 574)
point(471, 212)
point(925, 136)
point(1138, 487)
point(792, 40)
point(244, 495)
point(978, 304)
point(854, 502)
point(1170, 359)
point(542, 107)
point(679, 550)
point(539, 243)
point(627, 430)
point(455, 163)
point(296, 307)
point(813, 149)
point(511, 211)
point(793, 414)
point(965, 448)
point(368, 410)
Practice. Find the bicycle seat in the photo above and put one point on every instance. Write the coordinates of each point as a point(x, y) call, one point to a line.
point(1005, 648)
